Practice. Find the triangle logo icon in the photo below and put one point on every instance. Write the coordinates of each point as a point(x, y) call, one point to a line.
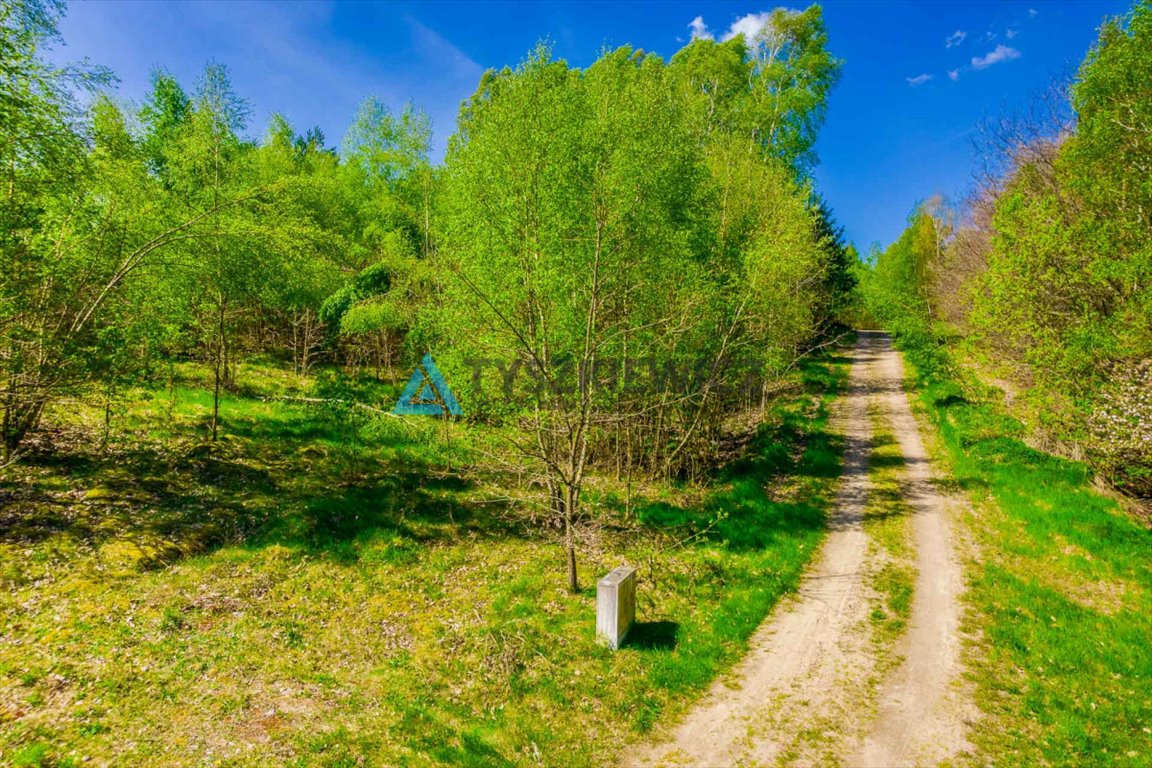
point(427, 394)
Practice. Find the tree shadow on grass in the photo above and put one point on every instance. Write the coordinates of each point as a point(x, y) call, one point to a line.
point(472, 750)
point(791, 448)
point(286, 488)
point(950, 399)
point(402, 499)
point(653, 635)
point(91, 497)
point(433, 730)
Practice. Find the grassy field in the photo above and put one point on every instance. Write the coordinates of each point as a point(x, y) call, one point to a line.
point(1060, 593)
point(323, 588)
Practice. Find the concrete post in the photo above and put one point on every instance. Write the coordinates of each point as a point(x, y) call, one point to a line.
point(615, 606)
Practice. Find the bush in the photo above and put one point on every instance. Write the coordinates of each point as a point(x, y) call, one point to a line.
point(1120, 430)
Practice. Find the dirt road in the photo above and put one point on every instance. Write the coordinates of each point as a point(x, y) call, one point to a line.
point(813, 688)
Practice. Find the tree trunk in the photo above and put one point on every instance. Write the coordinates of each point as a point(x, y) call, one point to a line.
point(295, 323)
point(388, 357)
point(216, 401)
point(22, 414)
point(570, 547)
point(571, 507)
point(171, 408)
point(219, 376)
point(107, 421)
point(563, 507)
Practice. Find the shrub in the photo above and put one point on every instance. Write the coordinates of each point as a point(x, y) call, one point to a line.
point(1120, 430)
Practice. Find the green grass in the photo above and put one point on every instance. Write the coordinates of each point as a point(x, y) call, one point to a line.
point(1060, 595)
point(324, 589)
point(888, 522)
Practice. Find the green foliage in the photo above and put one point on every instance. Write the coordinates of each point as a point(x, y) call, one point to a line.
point(386, 168)
point(772, 89)
point(387, 149)
point(373, 281)
point(604, 224)
point(718, 73)
point(552, 185)
point(641, 237)
point(166, 110)
point(574, 195)
point(841, 262)
point(45, 283)
point(896, 290)
point(792, 74)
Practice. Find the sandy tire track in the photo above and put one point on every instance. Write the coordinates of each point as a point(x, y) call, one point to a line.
point(806, 691)
point(922, 713)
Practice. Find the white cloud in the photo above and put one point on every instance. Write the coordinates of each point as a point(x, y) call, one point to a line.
point(1032, 13)
point(699, 29)
point(919, 79)
point(1000, 53)
point(954, 75)
point(1011, 34)
point(955, 38)
point(749, 25)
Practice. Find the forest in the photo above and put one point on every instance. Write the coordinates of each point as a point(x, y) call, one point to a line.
point(548, 239)
point(220, 545)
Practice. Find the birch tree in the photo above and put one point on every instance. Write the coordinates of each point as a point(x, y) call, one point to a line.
point(572, 210)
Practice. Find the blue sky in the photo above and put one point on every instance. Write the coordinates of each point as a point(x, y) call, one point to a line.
point(917, 76)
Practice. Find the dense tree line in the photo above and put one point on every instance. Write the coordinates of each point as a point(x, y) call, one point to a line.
point(639, 240)
point(138, 235)
point(1048, 273)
